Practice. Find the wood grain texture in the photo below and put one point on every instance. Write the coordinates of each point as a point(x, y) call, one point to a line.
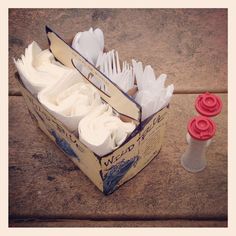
point(43, 182)
point(93, 223)
point(189, 45)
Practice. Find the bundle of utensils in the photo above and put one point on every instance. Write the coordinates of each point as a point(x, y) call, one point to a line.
point(78, 105)
point(141, 83)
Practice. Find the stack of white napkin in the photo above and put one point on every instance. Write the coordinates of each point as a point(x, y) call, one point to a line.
point(73, 102)
point(70, 100)
point(39, 69)
point(102, 131)
point(78, 105)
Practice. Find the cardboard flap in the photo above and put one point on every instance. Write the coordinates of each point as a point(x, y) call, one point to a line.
point(119, 100)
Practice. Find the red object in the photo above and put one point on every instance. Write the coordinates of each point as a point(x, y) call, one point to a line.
point(208, 104)
point(201, 128)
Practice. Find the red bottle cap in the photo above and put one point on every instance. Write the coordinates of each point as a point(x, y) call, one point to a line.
point(201, 128)
point(208, 104)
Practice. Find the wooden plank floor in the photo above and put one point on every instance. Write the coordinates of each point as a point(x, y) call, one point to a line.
point(46, 189)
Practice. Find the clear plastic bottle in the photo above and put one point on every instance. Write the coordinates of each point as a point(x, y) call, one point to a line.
point(200, 129)
point(188, 137)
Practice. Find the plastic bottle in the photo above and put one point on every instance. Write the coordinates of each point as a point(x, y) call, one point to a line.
point(200, 129)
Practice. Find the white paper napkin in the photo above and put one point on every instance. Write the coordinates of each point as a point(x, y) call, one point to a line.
point(70, 100)
point(39, 69)
point(102, 131)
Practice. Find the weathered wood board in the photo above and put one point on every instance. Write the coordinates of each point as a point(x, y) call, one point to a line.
point(189, 45)
point(43, 182)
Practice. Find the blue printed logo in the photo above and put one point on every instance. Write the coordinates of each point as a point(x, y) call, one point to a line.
point(116, 173)
point(65, 146)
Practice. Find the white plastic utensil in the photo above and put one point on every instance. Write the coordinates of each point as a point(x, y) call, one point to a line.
point(89, 43)
point(152, 94)
point(108, 63)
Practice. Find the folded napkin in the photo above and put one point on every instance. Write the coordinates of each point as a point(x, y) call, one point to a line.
point(70, 100)
point(89, 44)
point(102, 131)
point(39, 69)
point(152, 94)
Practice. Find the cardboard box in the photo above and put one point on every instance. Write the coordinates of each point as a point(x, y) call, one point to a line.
point(112, 170)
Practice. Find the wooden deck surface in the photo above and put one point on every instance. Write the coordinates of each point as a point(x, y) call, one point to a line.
point(47, 189)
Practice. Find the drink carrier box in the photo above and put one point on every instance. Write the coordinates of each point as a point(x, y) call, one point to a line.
point(112, 170)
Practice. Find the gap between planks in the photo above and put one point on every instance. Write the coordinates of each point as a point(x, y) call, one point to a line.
point(180, 92)
point(116, 218)
point(91, 223)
